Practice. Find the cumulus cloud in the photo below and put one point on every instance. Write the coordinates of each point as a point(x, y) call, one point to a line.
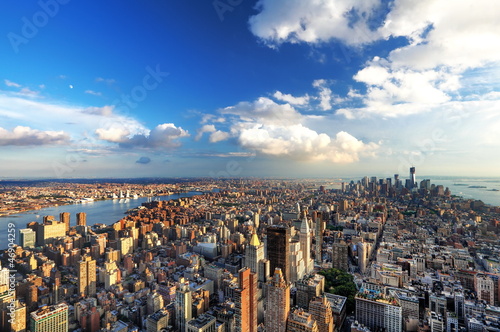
point(162, 136)
point(209, 128)
point(218, 136)
point(298, 101)
point(268, 128)
point(26, 136)
point(314, 21)
point(325, 94)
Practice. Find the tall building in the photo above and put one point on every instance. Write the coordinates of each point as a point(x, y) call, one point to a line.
point(158, 321)
point(50, 318)
point(375, 310)
point(254, 254)
point(183, 302)
point(319, 241)
point(278, 303)
point(301, 321)
point(87, 281)
point(154, 302)
point(309, 287)
point(27, 238)
point(81, 219)
point(413, 180)
point(305, 245)
point(49, 230)
point(321, 311)
point(245, 298)
point(340, 256)
point(64, 217)
point(278, 248)
point(297, 265)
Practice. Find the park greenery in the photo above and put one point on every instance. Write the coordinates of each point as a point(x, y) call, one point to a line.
point(340, 283)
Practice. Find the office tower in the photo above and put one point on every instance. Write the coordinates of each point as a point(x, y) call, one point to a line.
point(413, 180)
point(278, 248)
point(202, 323)
point(81, 219)
point(245, 298)
point(50, 318)
point(321, 311)
point(256, 220)
point(301, 321)
point(158, 321)
point(375, 310)
point(305, 245)
point(86, 269)
point(27, 238)
point(340, 256)
point(183, 301)
point(254, 253)
point(64, 217)
point(278, 302)
point(6, 298)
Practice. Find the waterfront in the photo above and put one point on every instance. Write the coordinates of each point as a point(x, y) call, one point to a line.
point(461, 186)
point(104, 212)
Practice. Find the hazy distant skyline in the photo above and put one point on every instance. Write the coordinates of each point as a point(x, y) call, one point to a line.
point(324, 88)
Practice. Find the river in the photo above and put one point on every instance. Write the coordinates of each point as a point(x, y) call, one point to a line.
point(104, 212)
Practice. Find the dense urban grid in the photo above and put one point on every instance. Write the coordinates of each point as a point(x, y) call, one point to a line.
point(257, 255)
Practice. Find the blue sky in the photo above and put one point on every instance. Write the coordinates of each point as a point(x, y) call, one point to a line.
point(324, 88)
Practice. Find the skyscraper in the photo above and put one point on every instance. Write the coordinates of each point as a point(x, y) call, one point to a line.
point(246, 301)
point(64, 217)
point(301, 321)
point(254, 253)
point(50, 318)
point(278, 303)
point(183, 301)
point(81, 219)
point(321, 310)
point(27, 238)
point(278, 248)
point(413, 180)
point(305, 245)
point(86, 268)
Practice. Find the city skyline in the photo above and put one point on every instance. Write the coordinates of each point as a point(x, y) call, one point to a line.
point(249, 89)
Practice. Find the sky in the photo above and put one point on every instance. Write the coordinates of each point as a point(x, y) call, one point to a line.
point(239, 88)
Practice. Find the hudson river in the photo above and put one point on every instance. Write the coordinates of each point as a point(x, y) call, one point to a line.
point(103, 212)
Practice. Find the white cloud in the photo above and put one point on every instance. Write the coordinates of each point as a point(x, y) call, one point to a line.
point(209, 128)
point(272, 129)
point(26, 136)
point(12, 84)
point(314, 21)
point(92, 92)
point(300, 101)
point(106, 80)
point(218, 136)
point(162, 136)
point(325, 94)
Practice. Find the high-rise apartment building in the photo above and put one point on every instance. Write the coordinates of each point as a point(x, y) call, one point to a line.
point(245, 298)
point(278, 302)
point(50, 318)
point(321, 311)
point(183, 302)
point(64, 217)
point(81, 219)
point(340, 256)
point(278, 249)
point(87, 281)
point(375, 310)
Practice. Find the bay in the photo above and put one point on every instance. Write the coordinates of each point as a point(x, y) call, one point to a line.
point(104, 212)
